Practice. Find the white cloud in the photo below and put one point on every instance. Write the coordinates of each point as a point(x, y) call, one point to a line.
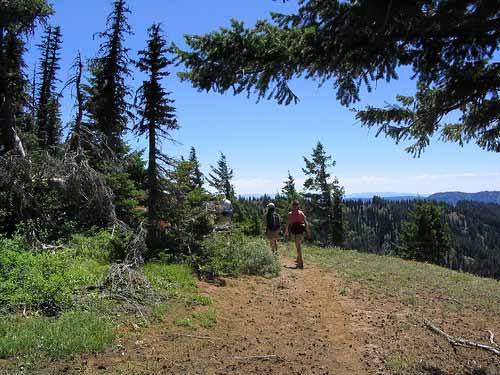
point(432, 177)
point(256, 185)
point(368, 180)
point(420, 184)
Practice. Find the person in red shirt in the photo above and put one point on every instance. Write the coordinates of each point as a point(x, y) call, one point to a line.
point(296, 227)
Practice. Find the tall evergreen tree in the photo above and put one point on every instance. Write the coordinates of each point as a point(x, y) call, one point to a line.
point(425, 236)
point(196, 175)
point(326, 194)
point(289, 189)
point(157, 115)
point(221, 176)
point(12, 88)
point(48, 123)
point(16, 18)
point(108, 92)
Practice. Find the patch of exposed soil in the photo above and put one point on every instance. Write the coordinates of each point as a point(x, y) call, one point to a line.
point(294, 324)
point(304, 322)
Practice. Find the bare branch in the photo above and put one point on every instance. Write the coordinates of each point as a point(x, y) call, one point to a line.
point(457, 341)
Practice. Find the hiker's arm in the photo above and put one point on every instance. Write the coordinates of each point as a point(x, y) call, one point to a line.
point(308, 228)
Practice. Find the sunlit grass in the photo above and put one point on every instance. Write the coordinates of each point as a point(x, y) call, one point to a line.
point(398, 277)
point(73, 332)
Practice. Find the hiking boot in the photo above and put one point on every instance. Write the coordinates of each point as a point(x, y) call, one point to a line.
point(300, 266)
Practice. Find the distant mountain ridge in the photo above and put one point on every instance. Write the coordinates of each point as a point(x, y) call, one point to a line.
point(453, 197)
point(384, 195)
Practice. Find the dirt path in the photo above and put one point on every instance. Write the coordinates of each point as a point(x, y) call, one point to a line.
point(298, 319)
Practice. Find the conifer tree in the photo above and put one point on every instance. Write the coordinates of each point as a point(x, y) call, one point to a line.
point(221, 176)
point(157, 115)
point(16, 18)
point(108, 92)
point(425, 236)
point(48, 123)
point(196, 175)
point(289, 189)
point(451, 48)
point(326, 194)
point(11, 89)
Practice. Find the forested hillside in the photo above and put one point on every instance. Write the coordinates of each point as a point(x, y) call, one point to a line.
point(455, 197)
point(380, 226)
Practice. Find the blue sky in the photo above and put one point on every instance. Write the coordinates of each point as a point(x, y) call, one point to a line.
point(262, 141)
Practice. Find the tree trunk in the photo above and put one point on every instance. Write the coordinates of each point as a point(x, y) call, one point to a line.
point(75, 141)
point(8, 134)
point(153, 198)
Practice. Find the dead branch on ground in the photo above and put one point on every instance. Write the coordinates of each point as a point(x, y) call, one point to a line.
point(275, 358)
point(492, 338)
point(457, 341)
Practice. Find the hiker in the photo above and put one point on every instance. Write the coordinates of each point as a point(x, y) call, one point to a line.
point(226, 211)
point(227, 208)
point(273, 227)
point(296, 226)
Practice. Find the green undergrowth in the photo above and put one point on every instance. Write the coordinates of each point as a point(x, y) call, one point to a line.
point(176, 283)
point(404, 279)
point(58, 291)
point(72, 332)
point(43, 281)
point(235, 254)
point(204, 319)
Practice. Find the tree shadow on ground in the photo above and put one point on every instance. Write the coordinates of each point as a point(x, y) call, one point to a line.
point(432, 370)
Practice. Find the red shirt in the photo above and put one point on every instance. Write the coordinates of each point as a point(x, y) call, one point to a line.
point(296, 216)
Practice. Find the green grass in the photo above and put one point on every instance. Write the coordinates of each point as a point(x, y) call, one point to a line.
point(199, 300)
point(186, 322)
point(202, 318)
point(408, 279)
point(176, 280)
point(74, 332)
point(43, 281)
point(206, 318)
point(396, 364)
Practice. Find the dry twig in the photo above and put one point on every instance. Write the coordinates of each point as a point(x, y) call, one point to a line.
point(275, 358)
point(457, 341)
point(492, 338)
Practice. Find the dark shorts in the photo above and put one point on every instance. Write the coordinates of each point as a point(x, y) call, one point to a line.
point(227, 213)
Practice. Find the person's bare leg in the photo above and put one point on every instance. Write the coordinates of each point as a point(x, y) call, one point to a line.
point(275, 248)
point(298, 245)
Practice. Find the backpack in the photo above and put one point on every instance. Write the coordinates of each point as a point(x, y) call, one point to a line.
point(273, 221)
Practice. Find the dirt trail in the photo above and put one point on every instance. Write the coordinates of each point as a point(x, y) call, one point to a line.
point(299, 319)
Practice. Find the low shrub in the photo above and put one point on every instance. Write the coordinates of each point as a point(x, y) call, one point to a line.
point(103, 246)
point(42, 281)
point(176, 280)
point(73, 332)
point(235, 254)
